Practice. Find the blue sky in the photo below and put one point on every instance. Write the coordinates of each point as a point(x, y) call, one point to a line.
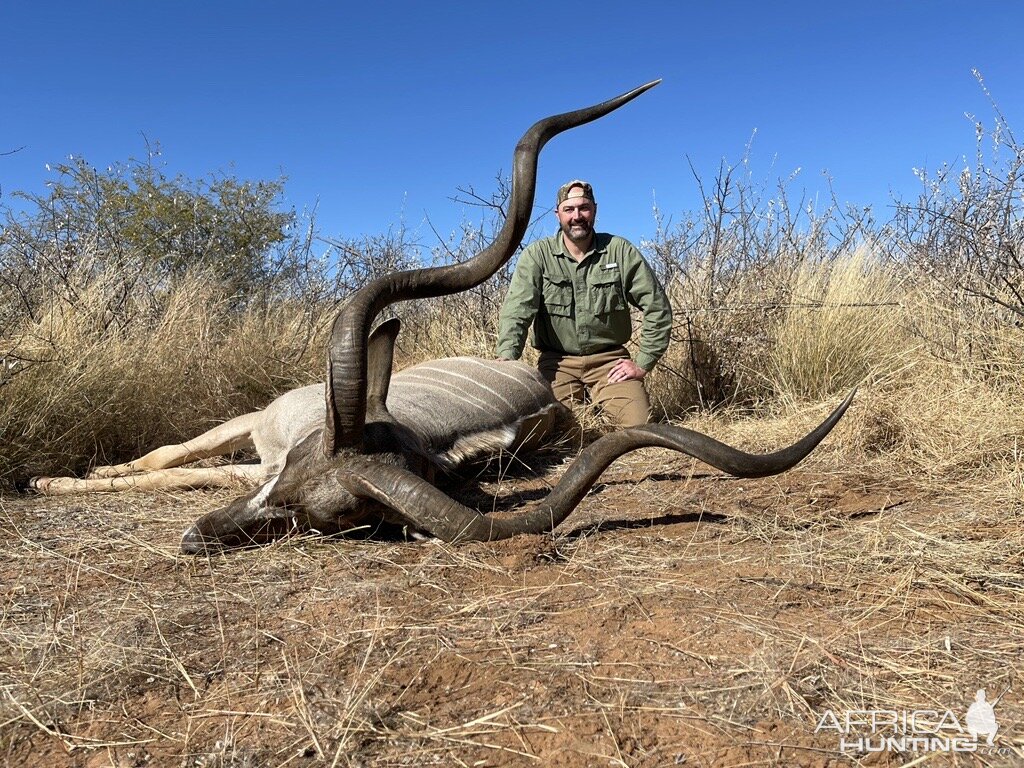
point(377, 113)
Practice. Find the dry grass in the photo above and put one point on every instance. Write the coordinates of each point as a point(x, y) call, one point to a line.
point(676, 618)
point(715, 633)
point(844, 327)
point(94, 389)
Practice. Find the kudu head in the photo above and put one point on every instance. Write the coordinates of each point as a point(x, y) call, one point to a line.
point(315, 490)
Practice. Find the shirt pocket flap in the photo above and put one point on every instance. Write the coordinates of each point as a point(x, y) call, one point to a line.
point(558, 295)
point(608, 293)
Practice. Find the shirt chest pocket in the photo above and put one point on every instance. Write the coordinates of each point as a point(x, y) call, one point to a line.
point(558, 296)
point(606, 293)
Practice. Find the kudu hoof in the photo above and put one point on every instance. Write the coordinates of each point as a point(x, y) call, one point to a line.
point(30, 484)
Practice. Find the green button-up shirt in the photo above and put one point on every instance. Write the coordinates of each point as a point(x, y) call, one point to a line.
point(581, 308)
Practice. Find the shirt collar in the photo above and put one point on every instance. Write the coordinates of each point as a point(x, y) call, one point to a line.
point(600, 245)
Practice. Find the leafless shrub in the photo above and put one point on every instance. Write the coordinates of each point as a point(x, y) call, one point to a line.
point(964, 235)
point(730, 270)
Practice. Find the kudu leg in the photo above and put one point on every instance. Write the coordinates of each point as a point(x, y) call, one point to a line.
point(161, 467)
point(225, 438)
point(175, 478)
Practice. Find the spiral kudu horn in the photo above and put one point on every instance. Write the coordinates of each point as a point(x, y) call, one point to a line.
point(430, 510)
point(347, 361)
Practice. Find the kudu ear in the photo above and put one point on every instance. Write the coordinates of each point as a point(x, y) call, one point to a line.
point(380, 356)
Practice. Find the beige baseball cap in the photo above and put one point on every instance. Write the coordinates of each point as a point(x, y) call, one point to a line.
point(575, 188)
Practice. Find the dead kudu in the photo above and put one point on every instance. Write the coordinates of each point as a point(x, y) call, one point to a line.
point(365, 465)
point(460, 408)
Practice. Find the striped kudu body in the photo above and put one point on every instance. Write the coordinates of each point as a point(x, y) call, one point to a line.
point(460, 409)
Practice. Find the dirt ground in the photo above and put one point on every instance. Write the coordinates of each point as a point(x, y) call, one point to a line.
point(677, 618)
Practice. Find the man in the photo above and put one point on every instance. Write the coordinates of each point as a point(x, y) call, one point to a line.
point(575, 289)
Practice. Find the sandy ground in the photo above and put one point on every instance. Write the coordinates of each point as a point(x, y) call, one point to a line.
point(677, 618)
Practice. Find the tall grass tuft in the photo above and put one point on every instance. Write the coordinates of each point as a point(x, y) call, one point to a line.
point(842, 327)
point(82, 390)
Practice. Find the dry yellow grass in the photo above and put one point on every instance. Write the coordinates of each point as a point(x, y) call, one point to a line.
point(843, 327)
point(106, 386)
point(97, 386)
point(675, 618)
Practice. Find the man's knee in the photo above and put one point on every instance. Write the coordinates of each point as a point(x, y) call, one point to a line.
point(626, 403)
point(561, 372)
point(632, 414)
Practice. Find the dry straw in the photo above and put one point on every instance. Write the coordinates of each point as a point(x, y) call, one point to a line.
point(677, 618)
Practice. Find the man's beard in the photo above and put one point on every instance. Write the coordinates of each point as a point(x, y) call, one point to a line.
point(578, 233)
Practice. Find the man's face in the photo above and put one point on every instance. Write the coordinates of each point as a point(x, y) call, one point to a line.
point(576, 217)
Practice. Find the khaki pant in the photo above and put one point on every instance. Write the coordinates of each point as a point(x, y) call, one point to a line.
point(572, 376)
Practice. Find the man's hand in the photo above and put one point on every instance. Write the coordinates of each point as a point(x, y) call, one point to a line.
point(625, 370)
